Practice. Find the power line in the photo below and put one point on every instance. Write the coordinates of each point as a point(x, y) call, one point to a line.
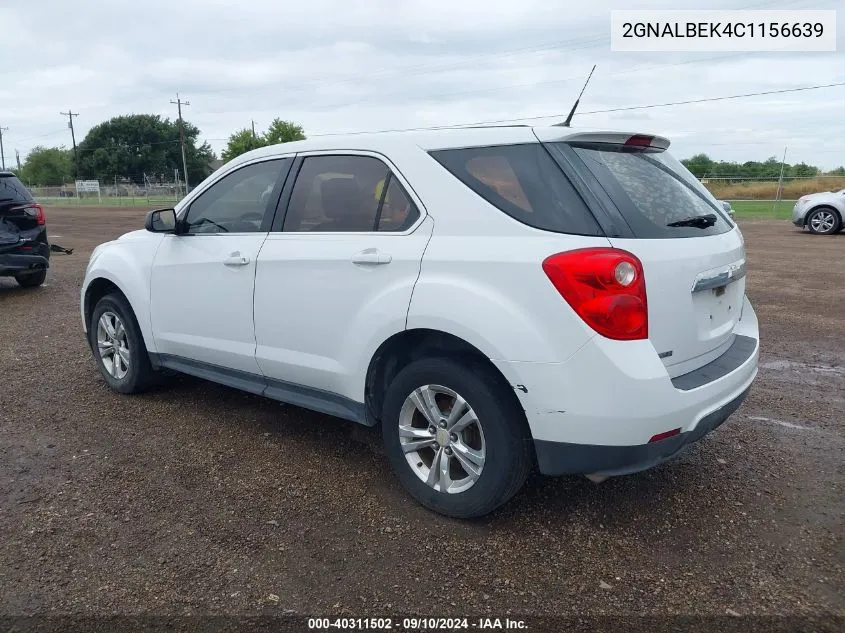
point(424, 69)
point(558, 115)
point(31, 138)
point(569, 45)
point(534, 84)
point(708, 99)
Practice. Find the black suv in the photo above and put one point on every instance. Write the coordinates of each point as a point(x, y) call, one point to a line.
point(24, 250)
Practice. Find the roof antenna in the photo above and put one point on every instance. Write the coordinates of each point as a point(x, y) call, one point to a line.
point(575, 105)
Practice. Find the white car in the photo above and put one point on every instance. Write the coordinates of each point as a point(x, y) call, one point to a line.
point(822, 213)
point(496, 299)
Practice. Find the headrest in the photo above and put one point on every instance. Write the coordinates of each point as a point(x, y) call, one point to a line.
point(340, 197)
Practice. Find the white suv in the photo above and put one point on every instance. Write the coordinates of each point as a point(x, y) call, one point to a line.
point(496, 299)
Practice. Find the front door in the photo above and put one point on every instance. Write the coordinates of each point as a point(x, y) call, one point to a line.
point(203, 279)
point(337, 279)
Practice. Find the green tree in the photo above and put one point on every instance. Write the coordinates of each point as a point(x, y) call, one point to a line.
point(839, 171)
point(700, 165)
point(241, 142)
point(244, 140)
point(47, 166)
point(136, 145)
point(283, 132)
point(803, 170)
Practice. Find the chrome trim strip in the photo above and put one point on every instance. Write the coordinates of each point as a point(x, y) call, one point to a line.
point(705, 281)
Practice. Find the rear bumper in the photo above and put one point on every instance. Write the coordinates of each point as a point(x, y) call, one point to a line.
point(597, 412)
point(14, 262)
point(561, 458)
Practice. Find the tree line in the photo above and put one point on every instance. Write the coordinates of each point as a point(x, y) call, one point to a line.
point(136, 147)
point(702, 166)
point(139, 147)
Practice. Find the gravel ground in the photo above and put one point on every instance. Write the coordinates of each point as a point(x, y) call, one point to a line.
point(198, 499)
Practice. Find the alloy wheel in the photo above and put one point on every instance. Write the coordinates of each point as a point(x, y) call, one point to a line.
point(442, 439)
point(113, 345)
point(822, 221)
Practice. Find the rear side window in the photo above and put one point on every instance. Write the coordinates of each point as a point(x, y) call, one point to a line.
point(524, 182)
point(13, 190)
point(652, 190)
point(348, 193)
point(398, 212)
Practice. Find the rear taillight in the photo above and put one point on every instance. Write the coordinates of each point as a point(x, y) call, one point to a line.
point(605, 287)
point(36, 211)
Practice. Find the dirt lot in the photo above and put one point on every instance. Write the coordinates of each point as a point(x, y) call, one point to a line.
point(200, 499)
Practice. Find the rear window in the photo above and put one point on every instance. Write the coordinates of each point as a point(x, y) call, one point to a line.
point(524, 182)
point(652, 189)
point(13, 190)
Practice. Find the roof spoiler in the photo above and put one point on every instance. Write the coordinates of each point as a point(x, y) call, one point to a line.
point(625, 139)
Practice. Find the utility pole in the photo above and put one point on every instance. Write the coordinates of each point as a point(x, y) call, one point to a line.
point(253, 130)
point(780, 182)
point(2, 155)
point(179, 103)
point(70, 114)
point(18, 158)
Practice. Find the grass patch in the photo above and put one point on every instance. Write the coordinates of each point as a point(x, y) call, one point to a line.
point(110, 201)
point(767, 190)
point(762, 209)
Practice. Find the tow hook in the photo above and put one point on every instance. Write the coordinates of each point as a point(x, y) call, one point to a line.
point(597, 478)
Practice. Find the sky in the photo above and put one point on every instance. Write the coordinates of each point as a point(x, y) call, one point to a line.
point(337, 66)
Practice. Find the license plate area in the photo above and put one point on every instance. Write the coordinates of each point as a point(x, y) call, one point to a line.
point(717, 309)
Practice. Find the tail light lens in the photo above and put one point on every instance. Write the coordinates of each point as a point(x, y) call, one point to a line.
point(36, 211)
point(605, 287)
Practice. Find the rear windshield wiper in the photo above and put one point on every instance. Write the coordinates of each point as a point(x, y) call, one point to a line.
point(697, 221)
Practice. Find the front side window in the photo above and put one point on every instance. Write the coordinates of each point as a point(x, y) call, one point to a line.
point(238, 202)
point(347, 194)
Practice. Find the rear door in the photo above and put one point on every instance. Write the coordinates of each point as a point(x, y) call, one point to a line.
point(693, 256)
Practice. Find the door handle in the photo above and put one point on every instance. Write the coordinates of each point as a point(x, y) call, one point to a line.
point(236, 259)
point(372, 256)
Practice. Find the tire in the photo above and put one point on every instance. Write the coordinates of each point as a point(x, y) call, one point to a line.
point(498, 432)
point(31, 280)
point(133, 376)
point(824, 221)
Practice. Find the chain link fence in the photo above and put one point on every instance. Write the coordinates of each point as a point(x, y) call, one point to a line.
point(119, 194)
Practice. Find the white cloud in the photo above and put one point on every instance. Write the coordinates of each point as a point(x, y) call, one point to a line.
point(338, 66)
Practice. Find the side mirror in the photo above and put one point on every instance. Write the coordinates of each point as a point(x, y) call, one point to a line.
point(161, 221)
point(727, 207)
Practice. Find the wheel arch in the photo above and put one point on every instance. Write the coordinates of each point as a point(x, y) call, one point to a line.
point(407, 346)
point(100, 286)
